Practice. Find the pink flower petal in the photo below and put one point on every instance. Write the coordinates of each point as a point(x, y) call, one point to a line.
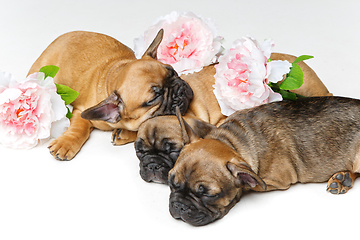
point(27, 110)
point(277, 69)
point(186, 36)
point(241, 76)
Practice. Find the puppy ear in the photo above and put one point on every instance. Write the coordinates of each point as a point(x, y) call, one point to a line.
point(107, 110)
point(199, 127)
point(245, 176)
point(188, 135)
point(152, 49)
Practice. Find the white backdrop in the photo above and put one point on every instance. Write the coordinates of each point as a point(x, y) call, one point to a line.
point(100, 195)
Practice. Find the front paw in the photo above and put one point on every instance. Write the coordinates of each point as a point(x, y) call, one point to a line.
point(122, 136)
point(63, 148)
point(341, 182)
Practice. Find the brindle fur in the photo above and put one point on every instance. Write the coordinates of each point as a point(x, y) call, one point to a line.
point(266, 148)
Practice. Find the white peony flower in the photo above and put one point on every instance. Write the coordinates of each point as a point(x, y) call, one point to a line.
point(30, 110)
point(190, 42)
point(243, 74)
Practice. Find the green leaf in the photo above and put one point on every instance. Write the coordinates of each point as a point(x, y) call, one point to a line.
point(274, 86)
point(67, 94)
point(69, 114)
point(302, 58)
point(294, 79)
point(288, 95)
point(50, 70)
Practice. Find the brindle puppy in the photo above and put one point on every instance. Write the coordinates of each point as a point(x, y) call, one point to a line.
point(266, 148)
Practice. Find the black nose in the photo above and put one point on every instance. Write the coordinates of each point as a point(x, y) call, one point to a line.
point(191, 210)
point(179, 209)
point(153, 167)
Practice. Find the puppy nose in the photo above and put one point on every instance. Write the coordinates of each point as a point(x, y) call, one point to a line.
point(153, 167)
point(180, 208)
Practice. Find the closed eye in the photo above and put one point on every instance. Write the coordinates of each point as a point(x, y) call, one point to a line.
point(211, 195)
point(154, 99)
point(158, 94)
point(203, 191)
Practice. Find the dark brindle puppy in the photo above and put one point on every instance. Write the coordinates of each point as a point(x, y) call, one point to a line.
point(266, 148)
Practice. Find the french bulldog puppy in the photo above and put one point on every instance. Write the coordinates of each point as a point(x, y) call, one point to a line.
point(116, 91)
point(159, 140)
point(270, 147)
point(156, 158)
point(159, 145)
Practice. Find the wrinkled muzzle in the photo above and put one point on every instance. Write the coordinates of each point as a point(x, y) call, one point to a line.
point(155, 168)
point(190, 211)
point(180, 94)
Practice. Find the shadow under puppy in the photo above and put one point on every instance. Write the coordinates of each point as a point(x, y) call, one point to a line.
point(159, 139)
point(266, 148)
point(116, 91)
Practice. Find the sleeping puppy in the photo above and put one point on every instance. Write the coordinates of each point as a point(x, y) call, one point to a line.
point(159, 145)
point(157, 158)
point(116, 91)
point(266, 148)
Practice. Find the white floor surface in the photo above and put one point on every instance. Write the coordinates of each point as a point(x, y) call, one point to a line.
point(100, 195)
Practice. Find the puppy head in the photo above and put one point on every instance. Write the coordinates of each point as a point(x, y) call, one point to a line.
point(207, 180)
point(143, 89)
point(158, 144)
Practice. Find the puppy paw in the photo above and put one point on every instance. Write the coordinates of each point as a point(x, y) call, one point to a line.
point(341, 182)
point(122, 136)
point(63, 148)
point(115, 137)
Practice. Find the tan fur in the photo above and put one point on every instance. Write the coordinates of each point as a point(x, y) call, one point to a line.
point(312, 86)
point(205, 106)
point(96, 65)
point(356, 167)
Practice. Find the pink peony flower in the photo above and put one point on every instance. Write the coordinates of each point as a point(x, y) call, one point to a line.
point(30, 110)
point(190, 42)
point(243, 74)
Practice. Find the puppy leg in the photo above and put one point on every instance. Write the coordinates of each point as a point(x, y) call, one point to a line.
point(69, 144)
point(122, 136)
point(341, 182)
